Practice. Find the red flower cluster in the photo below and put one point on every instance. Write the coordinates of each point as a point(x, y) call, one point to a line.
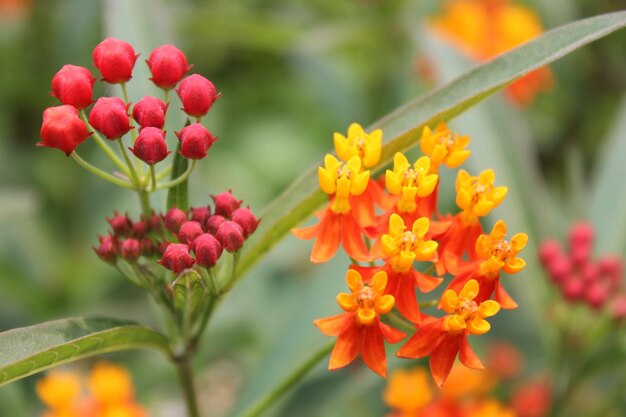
point(580, 277)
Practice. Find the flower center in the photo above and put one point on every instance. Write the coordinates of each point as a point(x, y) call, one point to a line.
point(366, 297)
point(410, 178)
point(466, 308)
point(408, 242)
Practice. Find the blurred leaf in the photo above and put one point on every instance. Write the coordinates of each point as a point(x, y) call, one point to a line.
point(177, 196)
point(402, 127)
point(607, 209)
point(189, 292)
point(29, 350)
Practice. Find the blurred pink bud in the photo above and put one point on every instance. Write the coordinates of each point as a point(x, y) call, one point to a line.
point(174, 219)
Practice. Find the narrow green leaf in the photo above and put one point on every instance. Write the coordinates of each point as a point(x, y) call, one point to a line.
point(178, 195)
point(29, 350)
point(189, 292)
point(402, 128)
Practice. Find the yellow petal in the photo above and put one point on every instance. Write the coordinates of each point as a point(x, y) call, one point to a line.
point(404, 261)
point(482, 208)
point(366, 316)
point(456, 158)
point(438, 155)
point(396, 225)
point(359, 183)
point(354, 164)
point(388, 245)
point(342, 148)
point(400, 163)
point(478, 326)
point(421, 226)
point(379, 282)
point(422, 165)
point(499, 231)
point(427, 185)
point(354, 280)
point(372, 157)
point(449, 301)
point(384, 304)
point(427, 250)
point(326, 180)
point(355, 129)
point(483, 246)
point(488, 176)
point(456, 323)
point(461, 179)
point(427, 141)
point(393, 183)
point(343, 188)
point(463, 199)
point(488, 308)
point(518, 241)
point(470, 289)
point(346, 301)
point(331, 163)
point(498, 194)
point(514, 265)
point(492, 264)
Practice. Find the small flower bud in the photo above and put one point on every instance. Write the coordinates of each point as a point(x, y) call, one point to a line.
point(195, 141)
point(213, 223)
point(533, 399)
point(207, 250)
point(177, 258)
point(581, 241)
point(155, 222)
point(107, 250)
point(225, 204)
point(121, 225)
point(115, 60)
point(73, 85)
point(130, 249)
point(589, 273)
point(613, 267)
point(174, 219)
point(140, 229)
point(150, 112)
point(573, 288)
point(161, 247)
point(560, 268)
point(549, 251)
point(168, 65)
point(230, 235)
point(201, 214)
point(619, 307)
point(197, 95)
point(189, 231)
point(62, 129)
point(596, 295)
point(245, 218)
point(109, 116)
point(148, 247)
point(150, 146)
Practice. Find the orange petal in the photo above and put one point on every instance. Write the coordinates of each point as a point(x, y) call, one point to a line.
point(333, 325)
point(467, 355)
point(406, 299)
point(351, 239)
point(328, 238)
point(373, 351)
point(347, 347)
point(422, 343)
point(503, 298)
point(426, 283)
point(442, 358)
point(391, 335)
point(306, 233)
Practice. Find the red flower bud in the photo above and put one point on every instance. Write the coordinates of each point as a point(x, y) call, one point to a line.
point(107, 250)
point(130, 249)
point(148, 247)
point(589, 273)
point(207, 250)
point(245, 218)
point(619, 307)
point(504, 360)
point(62, 129)
point(214, 222)
point(197, 95)
point(115, 60)
point(155, 222)
point(150, 112)
point(74, 86)
point(168, 65)
point(177, 258)
point(109, 116)
point(189, 231)
point(596, 295)
point(549, 251)
point(581, 233)
point(201, 214)
point(121, 225)
point(140, 229)
point(195, 141)
point(174, 219)
point(225, 204)
point(573, 288)
point(230, 235)
point(533, 399)
point(560, 268)
point(611, 266)
point(150, 146)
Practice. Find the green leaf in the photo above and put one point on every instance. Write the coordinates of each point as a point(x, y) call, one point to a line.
point(402, 127)
point(178, 195)
point(29, 350)
point(189, 293)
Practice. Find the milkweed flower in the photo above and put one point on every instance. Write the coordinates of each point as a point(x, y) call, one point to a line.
point(445, 337)
point(408, 392)
point(444, 147)
point(359, 329)
point(338, 224)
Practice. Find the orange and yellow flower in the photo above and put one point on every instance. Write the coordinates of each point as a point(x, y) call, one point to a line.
point(359, 329)
point(408, 392)
point(445, 337)
point(444, 147)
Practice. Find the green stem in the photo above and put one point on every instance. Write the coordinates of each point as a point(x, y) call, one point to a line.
point(266, 401)
point(133, 131)
point(144, 200)
point(102, 174)
point(153, 175)
point(103, 145)
point(131, 168)
point(427, 304)
point(178, 180)
point(185, 375)
point(166, 96)
point(167, 171)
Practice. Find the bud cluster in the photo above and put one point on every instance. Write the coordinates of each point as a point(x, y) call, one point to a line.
point(580, 277)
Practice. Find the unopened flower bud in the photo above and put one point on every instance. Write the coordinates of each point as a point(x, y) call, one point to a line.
point(213, 223)
point(177, 258)
point(573, 288)
point(107, 250)
point(115, 60)
point(225, 204)
point(613, 267)
point(589, 273)
point(231, 236)
point(197, 95)
point(161, 247)
point(207, 249)
point(148, 247)
point(121, 225)
point(168, 65)
point(130, 249)
point(581, 241)
point(62, 129)
point(140, 229)
point(150, 112)
point(189, 231)
point(201, 214)
point(549, 251)
point(73, 85)
point(560, 268)
point(596, 295)
point(195, 141)
point(174, 219)
point(155, 222)
point(245, 218)
point(109, 116)
point(619, 307)
point(150, 146)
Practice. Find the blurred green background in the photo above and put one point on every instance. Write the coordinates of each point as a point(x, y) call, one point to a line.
point(291, 73)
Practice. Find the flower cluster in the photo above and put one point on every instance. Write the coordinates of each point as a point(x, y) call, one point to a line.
point(486, 28)
point(400, 226)
point(581, 278)
point(108, 388)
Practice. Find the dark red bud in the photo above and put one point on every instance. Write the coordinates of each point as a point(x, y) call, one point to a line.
point(197, 95)
point(581, 233)
point(107, 250)
point(161, 247)
point(150, 112)
point(225, 204)
point(201, 214)
point(619, 307)
point(148, 247)
point(168, 65)
point(573, 288)
point(611, 266)
point(189, 231)
point(560, 268)
point(549, 251)
point(245, 218)
point(130, 249)
point(155, 222)
point(73, 85)
point(207, 249)
point(62, 129)
point(121, 225)
point(589, 273)
point(150, 146)
point(109, 116)
point(174, 219)
point(231, 236)
point(140, 229)
point(596, 295)
point(115, 60)
point(195, 141)
point(177, 258)
point(213, 223)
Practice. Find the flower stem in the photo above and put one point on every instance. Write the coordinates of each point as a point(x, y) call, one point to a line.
point(178, 180)
point(133, 131)
point(167, 171)
point(131, 169)
point(300, 372)
point(153, 175)
point(185, 375)
point(102, 174)
point(103, 145)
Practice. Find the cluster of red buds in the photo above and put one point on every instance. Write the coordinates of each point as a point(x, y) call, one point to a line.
point(580, 277)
